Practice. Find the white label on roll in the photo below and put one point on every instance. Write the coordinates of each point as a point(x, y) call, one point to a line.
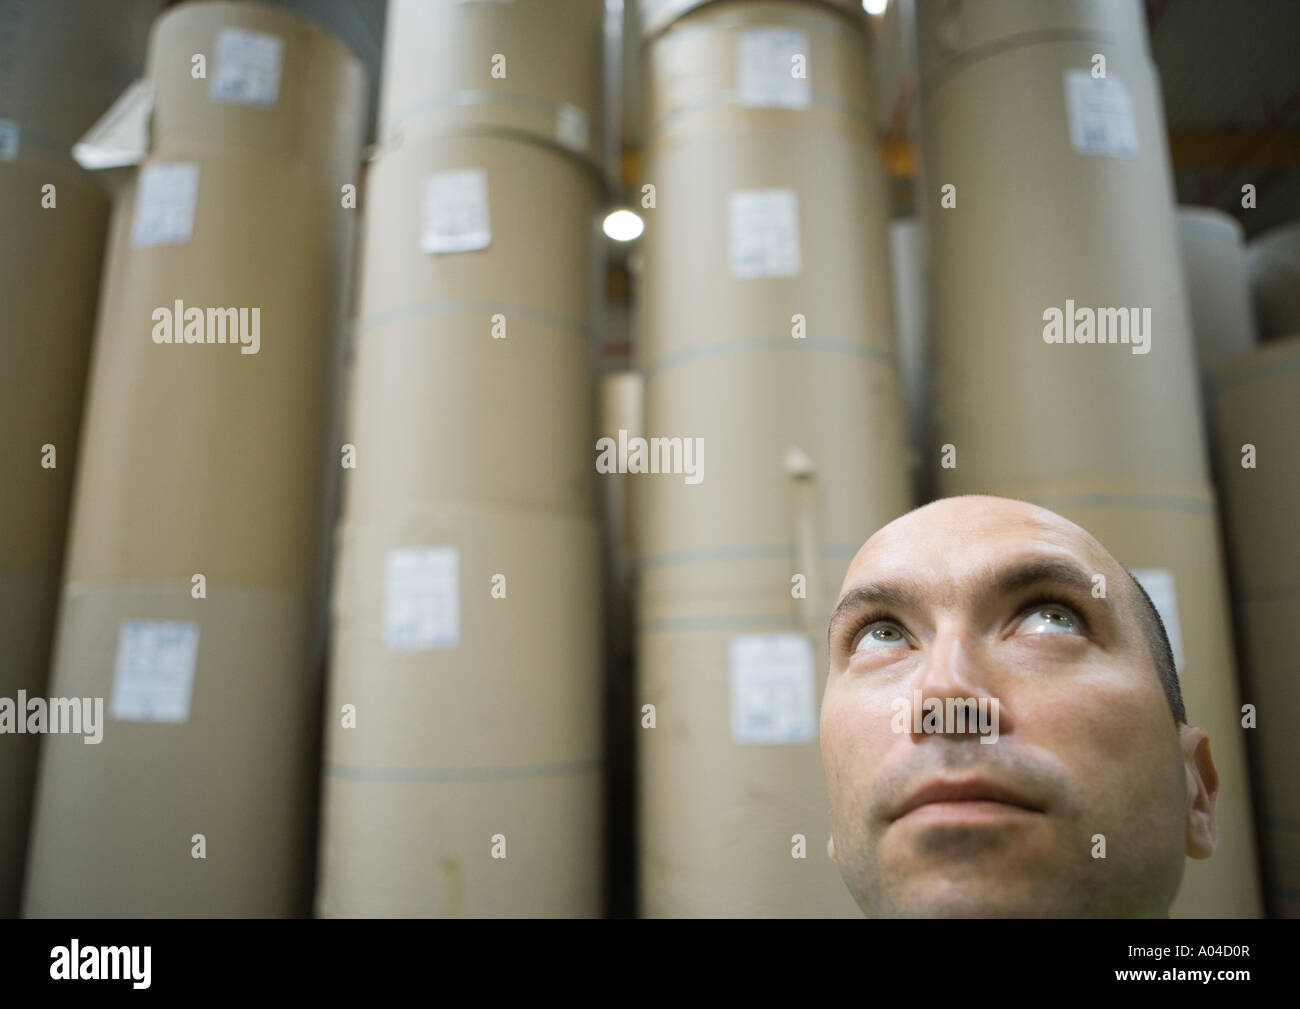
point(772, 689)
point(1100, 112)
point(422, 599)
point(764, 233)
point(769, 75)
point(8, 140)
point(165, 198)
point(1159, 585)
point(571, 127)
point(154, 673)
point(456, 217)
point(247, 67)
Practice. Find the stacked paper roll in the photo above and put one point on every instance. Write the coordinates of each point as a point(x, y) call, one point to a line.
point(1256, 419)
point(1273, 262)
point(770, 356)
point(485, 67)
point(1218, 287)
point(656, 15)
point(1052, 216)
point(463, 752)
point(59, 66)
point(190, 602)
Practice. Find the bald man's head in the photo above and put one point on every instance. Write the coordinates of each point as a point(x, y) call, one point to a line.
point(1086, 794)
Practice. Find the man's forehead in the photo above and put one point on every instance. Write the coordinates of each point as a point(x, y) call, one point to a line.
point(964, 539)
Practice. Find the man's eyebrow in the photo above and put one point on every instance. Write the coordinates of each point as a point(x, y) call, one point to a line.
point(1009, 580)
point(893, 595)
point(1041, 569)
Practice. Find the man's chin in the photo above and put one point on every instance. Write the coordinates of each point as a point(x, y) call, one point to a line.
point(976, 874)
point(968, 899)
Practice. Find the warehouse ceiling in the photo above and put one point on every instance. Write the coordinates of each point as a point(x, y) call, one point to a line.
point(1230, 73)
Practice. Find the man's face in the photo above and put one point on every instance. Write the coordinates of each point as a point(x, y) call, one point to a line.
point(987, 598)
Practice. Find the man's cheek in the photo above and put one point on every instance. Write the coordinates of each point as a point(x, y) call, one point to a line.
point(853, 744)
point(837, 739)
point(1109, 725)
point(846, 725)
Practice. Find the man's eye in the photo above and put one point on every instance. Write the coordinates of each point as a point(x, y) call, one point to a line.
point(1050, 619)
point(881, 634)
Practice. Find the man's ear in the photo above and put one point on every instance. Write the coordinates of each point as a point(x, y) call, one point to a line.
point(1202, 790)
point(830, 848)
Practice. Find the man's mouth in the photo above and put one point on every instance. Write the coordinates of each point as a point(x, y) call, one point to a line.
point(965, 799)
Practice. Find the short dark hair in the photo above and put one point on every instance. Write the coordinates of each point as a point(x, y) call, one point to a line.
point(1161, 653)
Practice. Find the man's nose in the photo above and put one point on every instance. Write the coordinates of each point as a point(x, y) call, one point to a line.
point(956, 666)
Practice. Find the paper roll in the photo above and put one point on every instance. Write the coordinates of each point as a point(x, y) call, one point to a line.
point(956, 33)
point(204, 452)
point(1273, 261)
point(775, 351)
point(528, 69)
point(656, 15)
point(1042, 238)
point(276, 84)
point(487, 348)
point(723, 843)
point(43, 363)
point(740, 412)
point(60, 65)
point(1218, 288)
point(472, 411)
point(1257, 414)
point(465, 639)
point(116, 822)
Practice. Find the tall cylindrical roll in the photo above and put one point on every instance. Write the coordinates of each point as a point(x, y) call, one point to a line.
point(1218, 287)
point(1256, 419)
point(532, 197)
point(1061, 209)
point(463, 753)
point(1273, 262)
point(656, 15)
point(532, 70)
point(59, 67)
point(770, 356)
point(190, 600)
point(1065, 365)
point(467, 784)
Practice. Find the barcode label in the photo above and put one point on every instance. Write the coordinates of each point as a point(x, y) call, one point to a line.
point(1100, 114)
point(772, 689)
